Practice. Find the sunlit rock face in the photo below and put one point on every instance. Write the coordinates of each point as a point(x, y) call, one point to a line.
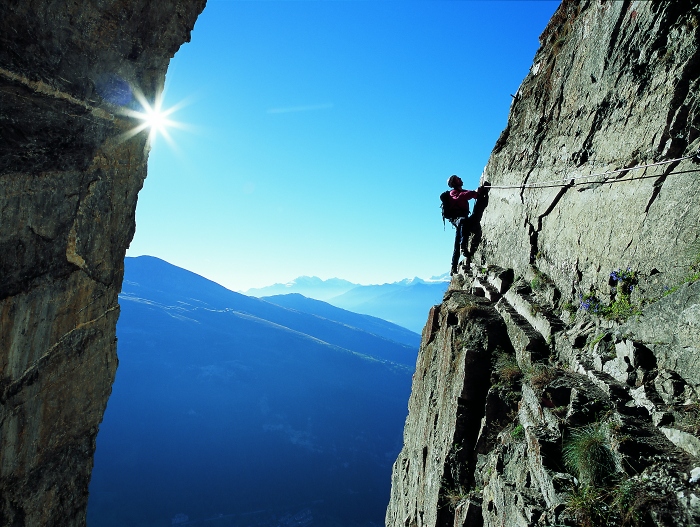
point(613, 86)
point(68, 187)
point(517, 363)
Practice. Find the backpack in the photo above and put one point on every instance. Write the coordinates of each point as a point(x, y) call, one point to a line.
point(449, 208)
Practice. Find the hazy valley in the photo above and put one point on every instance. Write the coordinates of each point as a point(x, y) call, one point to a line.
point(226, 404)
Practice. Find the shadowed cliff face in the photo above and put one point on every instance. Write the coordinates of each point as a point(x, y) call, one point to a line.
point(504, 439)
point(68, 190)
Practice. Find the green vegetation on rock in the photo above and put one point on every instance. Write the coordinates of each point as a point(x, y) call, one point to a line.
point(587, 454)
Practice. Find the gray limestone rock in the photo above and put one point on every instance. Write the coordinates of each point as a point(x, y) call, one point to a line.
point(670, 328)
point(683, 440)
point(446, 407)
point(613, 86)
point(670, 386)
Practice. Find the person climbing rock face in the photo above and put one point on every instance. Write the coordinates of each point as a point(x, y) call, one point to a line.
point(458, 214)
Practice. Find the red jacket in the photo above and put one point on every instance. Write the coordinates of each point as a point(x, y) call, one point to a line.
point(460, 198)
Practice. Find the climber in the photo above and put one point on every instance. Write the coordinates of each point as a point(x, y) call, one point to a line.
point(455, 208)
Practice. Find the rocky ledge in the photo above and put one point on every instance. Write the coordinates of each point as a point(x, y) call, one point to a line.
point(522, 414)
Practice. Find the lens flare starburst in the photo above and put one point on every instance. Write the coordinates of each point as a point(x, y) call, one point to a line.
point(153, 118)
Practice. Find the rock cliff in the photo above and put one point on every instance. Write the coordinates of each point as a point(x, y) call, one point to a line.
point(557, 383)
point(69, 179)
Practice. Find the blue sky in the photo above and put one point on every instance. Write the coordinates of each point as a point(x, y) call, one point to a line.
point(321, 133)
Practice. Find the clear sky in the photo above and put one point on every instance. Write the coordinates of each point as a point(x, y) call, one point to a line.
point(321, 133)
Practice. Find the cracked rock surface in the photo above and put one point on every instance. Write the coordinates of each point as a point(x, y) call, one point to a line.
point(68, 190)
point(613, 86)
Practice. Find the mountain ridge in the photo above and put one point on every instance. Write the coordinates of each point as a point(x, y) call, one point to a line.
point(309, 286)
point(170, 280)
point(401, 303)
point(368, 322)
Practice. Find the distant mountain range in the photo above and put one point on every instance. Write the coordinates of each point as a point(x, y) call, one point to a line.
point(405, 303)
point(229, 410)
point(309, 286)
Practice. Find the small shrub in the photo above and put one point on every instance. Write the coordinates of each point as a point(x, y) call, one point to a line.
point(569, 307)
point(587, 454)
point(454, 497)
point(624, 280)
point(518, 433)
point(623, 504)
point(589, 302)
point(621, 309)
point(507, 369)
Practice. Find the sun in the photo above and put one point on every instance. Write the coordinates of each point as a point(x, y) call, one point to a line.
point(153, 118)
point(156, 119)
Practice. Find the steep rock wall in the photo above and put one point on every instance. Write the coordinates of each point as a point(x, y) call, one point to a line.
point(447, 402)
point(613, 86)
point(69, 182)
point(582, 358)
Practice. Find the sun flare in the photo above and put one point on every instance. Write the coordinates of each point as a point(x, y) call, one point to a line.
point(154, 118)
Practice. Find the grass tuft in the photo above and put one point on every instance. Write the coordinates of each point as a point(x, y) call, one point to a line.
point(587, 504)
point(623, 504)
point(587, 454)
point(455, 497)
point(629, 499)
